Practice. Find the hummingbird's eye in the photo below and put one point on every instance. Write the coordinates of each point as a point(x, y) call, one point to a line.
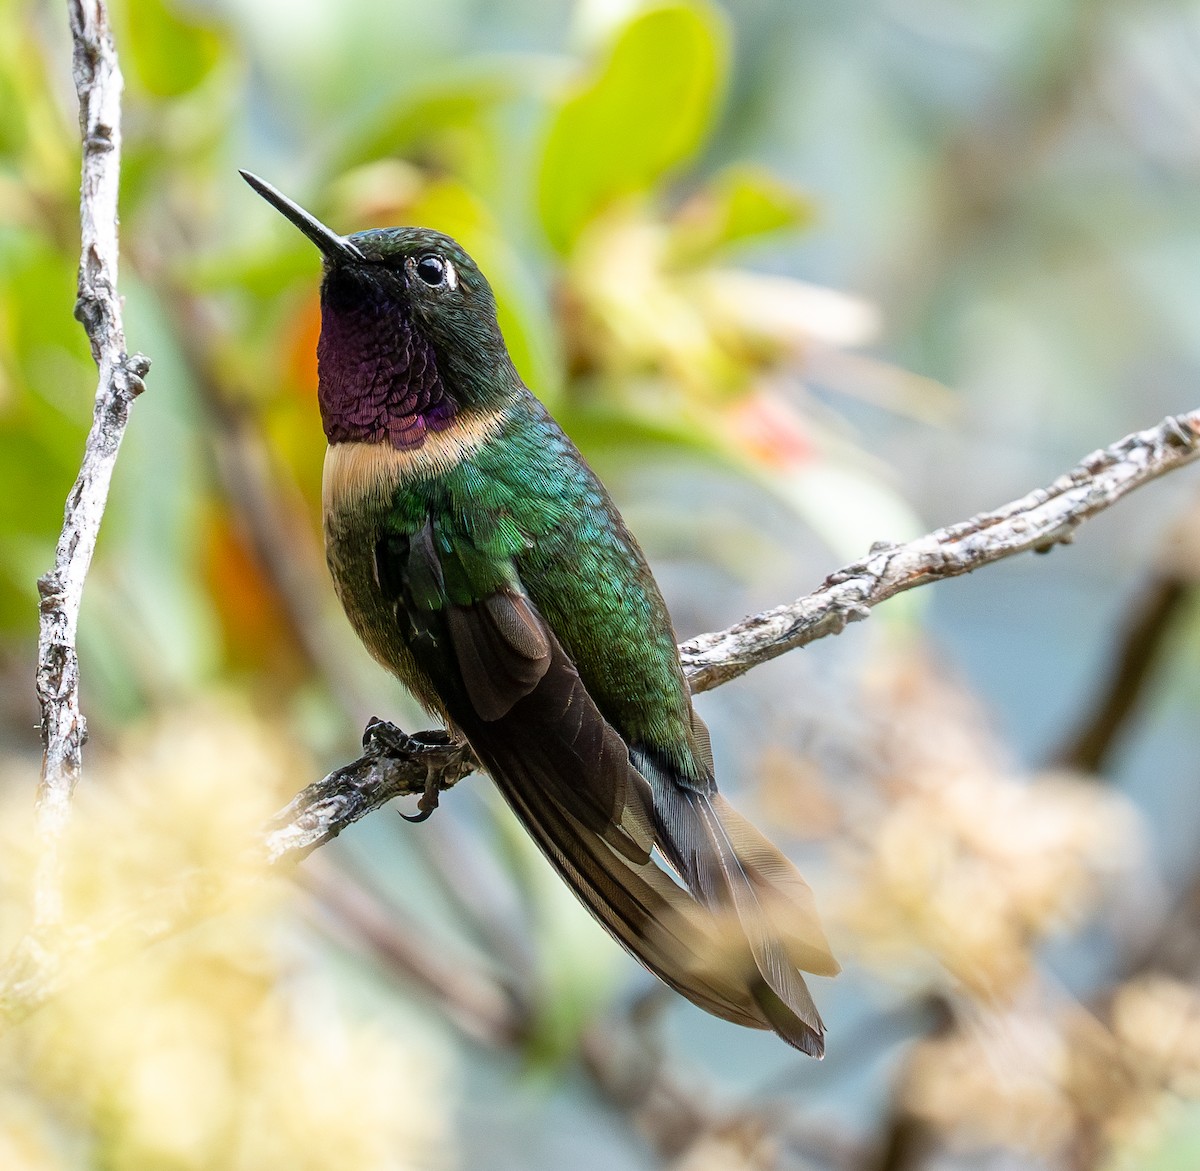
point(431, 269)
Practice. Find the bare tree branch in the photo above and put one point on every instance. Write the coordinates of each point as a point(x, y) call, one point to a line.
point(98, 83)
point(1040, 520)
point(395, 763)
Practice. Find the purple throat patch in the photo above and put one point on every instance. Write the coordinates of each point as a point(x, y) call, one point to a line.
point(377, 376)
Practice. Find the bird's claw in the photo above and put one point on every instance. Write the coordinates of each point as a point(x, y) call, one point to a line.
point(429, 799)
point(381, 736)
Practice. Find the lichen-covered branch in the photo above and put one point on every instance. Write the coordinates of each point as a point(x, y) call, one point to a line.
point(1038, 521)
point(98, 84)
point(395, 764)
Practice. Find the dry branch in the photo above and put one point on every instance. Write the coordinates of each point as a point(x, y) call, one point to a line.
point(98, 83)
point(1040, 520)
point(394, 763)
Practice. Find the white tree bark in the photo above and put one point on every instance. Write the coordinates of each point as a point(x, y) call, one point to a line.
point(98, 307)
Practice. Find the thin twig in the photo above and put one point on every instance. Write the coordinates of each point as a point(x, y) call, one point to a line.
point(1140, 650)
point(98, 84)
point(396, 764)
point(469, 995)
point(1039, 520)
point(1138, 655)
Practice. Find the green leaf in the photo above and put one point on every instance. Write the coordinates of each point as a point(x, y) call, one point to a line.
point(170, 53)
point(409, 121)
point(1175, 1146)
point(741, 203)
point(645, 110)
point(606, 430)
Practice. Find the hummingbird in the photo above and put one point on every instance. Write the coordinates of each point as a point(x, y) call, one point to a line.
point(482, 562)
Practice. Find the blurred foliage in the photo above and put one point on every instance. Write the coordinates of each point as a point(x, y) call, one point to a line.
point(1008, 191)
point(206, 1052)
point(644, 112)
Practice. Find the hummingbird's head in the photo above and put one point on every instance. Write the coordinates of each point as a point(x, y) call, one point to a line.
point(409, 337)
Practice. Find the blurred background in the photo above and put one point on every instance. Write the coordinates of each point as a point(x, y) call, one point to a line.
point(797, 277)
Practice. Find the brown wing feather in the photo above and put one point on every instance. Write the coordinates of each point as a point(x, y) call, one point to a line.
point(501, 656)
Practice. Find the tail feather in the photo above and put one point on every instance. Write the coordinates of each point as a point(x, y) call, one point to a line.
point(718, 942)
point(790, 906)
point(652, 917)
point(731, 868)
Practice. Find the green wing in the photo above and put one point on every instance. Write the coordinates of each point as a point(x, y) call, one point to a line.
point(595, 802)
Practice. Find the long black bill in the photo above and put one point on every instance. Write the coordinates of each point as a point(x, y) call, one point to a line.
point(330, 243)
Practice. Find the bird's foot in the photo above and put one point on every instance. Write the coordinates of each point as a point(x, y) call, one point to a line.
point(381, 736)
